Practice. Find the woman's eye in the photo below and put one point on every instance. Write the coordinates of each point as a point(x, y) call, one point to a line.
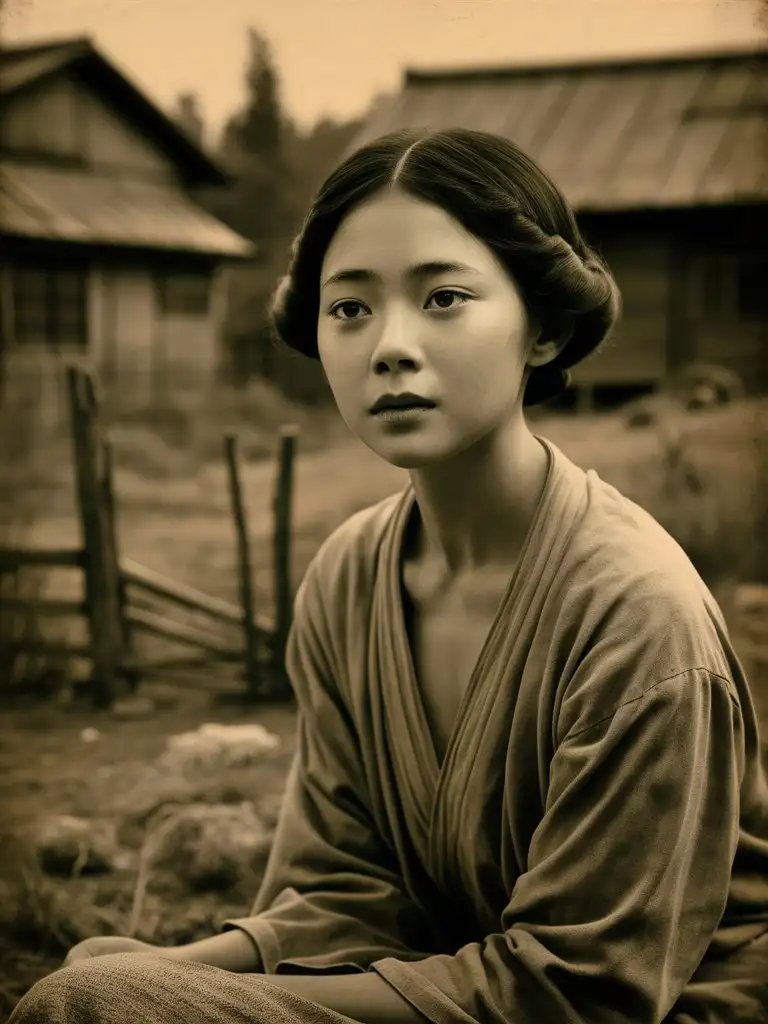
point(347, 310)
point(447, 298)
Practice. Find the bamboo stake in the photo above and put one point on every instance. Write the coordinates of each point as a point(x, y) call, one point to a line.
point(244, 567)
point(101, 571)
point(283, 513)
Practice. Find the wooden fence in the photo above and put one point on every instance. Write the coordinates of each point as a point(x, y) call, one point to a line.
point(122, 599)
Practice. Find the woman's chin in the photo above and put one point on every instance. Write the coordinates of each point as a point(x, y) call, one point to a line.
point(407, 453)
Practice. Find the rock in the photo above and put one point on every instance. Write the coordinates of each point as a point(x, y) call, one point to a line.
point(67, 846)
point(211, 846)
point(215, 747)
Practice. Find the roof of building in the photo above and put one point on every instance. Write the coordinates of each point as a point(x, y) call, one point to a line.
point(57, 204)
point(24, 66)
point(664, 131)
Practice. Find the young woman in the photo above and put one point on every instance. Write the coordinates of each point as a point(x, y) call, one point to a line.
point(528, 786)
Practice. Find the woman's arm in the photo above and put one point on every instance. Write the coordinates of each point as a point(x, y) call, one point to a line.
point(333, 896)
point(231, 951)
point(364, 998)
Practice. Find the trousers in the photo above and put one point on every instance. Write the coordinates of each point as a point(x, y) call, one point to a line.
point(148, 988)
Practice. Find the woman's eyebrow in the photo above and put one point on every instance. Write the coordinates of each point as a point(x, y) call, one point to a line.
point(433, 268)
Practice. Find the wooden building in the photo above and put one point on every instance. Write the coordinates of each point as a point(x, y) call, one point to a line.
point(106, 257)
point(666, 162)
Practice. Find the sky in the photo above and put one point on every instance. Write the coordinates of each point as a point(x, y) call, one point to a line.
point(335, 56)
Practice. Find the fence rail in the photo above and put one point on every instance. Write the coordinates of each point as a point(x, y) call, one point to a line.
point(12, 559)
point(123, 599)
point(151, 582)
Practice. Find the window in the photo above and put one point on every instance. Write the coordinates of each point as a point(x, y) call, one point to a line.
point(752, 288)
point(715, 281)
point(730, 287)
point(187, 293)
point(50, 306)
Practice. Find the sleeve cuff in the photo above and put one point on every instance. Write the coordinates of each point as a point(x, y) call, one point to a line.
point(422, 994)
point(263, 936)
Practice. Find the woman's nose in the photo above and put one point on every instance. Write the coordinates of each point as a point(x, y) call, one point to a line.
point(397, 348)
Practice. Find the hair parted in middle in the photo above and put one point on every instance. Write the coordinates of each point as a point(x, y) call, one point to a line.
point(503, 198)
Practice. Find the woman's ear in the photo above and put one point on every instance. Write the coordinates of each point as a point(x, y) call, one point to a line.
point(550, 338)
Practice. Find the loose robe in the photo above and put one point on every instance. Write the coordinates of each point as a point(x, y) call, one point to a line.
point(594, 845)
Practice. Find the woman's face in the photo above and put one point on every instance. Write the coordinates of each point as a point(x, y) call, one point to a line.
point(412, 302)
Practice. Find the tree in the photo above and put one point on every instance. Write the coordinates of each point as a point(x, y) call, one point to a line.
point(277, 170)
point(255, 133)
point(188, 116)
point(313, 154)
point(261, 129)
point(253, 149)
point(258, 206)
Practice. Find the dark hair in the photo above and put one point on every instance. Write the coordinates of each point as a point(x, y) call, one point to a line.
point(499, 195)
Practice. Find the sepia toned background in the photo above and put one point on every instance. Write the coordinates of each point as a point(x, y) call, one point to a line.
point(156, 159)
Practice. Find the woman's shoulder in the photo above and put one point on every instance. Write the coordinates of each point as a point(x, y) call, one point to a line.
point(628, 595)
point(615, 546)
point(346, 560)
point(624, 549)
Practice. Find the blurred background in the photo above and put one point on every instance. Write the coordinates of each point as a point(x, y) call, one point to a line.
point(156, 159)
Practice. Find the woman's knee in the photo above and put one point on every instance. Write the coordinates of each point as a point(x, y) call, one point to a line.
point(89, 991)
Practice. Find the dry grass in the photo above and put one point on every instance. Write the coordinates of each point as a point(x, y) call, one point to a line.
point(181, 525)
point(176, 440)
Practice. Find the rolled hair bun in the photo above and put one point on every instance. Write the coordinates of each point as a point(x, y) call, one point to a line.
point(501, 197)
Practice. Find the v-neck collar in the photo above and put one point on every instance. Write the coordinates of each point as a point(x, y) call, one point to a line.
point(420, 768)
point(407, 509)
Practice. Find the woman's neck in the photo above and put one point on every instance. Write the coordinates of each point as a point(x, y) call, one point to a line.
point(477, 508)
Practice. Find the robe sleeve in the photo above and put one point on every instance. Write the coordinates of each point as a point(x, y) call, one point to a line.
point(332, 898)
point(627, 876)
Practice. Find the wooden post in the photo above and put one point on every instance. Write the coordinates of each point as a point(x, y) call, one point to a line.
point(7, 323)
point(282, 552)
point(101, 572)
point(130, 674)
point(585, 399)
point(244, 567)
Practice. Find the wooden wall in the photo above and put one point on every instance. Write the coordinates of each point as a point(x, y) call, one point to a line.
point(637, 351)
point(681, 276)
point(61, 118)
point(141, 356)
point(724, 327)
point(139, 353)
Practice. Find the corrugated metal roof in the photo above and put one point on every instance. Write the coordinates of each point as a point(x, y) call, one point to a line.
point(76, 206)
point(643, 133)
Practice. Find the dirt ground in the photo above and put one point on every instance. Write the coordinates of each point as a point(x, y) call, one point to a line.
point(48, 768)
